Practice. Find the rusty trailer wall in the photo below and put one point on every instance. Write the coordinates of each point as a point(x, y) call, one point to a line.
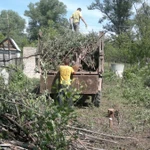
point(86, 83)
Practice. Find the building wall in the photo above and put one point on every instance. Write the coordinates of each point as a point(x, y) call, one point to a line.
point(29, 62)
point(10, 57)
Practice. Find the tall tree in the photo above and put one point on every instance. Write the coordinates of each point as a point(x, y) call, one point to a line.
point(42, 12)
point(142, 20)
point(11, 23)
point(142, 28)
point(116, 12)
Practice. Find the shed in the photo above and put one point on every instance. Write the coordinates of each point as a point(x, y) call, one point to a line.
point(9, 52)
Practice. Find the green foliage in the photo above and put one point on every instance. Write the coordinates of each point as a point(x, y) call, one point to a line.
point(141, 46)
point(132, 89)
point(50, 31)
point(133, 45)
point(135, 86)
point(118, 14)
point(109, 76)
point(55, 50)
point(123, 43)
point(21, 39)
point(41, 13)
point(42, 122)
point(119, 49)
point(18, 80)
point(12, 25)
point(1, 37)
point(34, 118)
point(11, 22)
point(114, 91)
point(72, 94)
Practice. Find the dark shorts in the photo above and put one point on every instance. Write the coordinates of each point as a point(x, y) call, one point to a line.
point(76, 27)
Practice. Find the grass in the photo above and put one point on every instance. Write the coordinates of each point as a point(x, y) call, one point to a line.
point(133, 121)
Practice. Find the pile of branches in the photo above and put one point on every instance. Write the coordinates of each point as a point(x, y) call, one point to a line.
point(72, 45)
point(28, 121)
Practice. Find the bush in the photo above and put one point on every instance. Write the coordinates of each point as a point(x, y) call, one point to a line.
point(35, 120)
point(134, 87)
point(32, 118)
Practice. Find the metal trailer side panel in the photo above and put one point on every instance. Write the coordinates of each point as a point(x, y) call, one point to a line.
point(87, 84)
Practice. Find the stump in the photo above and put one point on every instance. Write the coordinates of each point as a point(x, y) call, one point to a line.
point(111, 112)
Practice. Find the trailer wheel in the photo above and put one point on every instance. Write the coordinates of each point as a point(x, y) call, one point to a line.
point(96, 99)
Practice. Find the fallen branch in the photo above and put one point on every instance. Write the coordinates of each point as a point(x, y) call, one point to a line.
point(18, 145)
point(79, 141)
point(93, 148)
point(8, 145)
point(21, 104)
point(89, 146)
point(107, 135)
point(97, 138)
point(14, 122)
point(18, 127)
point(24, 145)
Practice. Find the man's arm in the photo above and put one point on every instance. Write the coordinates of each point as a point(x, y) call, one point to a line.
point(70, 20)
point(75, 68)
point(83, 20)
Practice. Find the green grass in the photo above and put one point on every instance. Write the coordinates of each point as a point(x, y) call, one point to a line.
point(134, 120)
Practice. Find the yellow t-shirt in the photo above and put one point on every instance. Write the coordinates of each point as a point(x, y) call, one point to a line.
point(76, 16)
point(65, 73)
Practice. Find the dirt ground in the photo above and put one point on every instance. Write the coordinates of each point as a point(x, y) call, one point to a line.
point(128, 132)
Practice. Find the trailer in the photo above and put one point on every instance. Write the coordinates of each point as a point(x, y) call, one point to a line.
point(91, 81)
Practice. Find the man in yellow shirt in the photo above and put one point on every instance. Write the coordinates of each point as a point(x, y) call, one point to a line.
point(65, 73)
point(76, 16)
point(65, 81)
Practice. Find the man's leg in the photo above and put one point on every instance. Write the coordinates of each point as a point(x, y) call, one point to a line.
point(69, 98)
point(60, 95)
point(76, 27)
point(62, 98)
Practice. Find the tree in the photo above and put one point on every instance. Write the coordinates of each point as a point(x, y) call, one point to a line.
point(11, 22)
point(142, 27)
point(142, 20)
point(12, 25)
point(116, 12)
point(41, 13)
point(1, 36)
point(132, 47)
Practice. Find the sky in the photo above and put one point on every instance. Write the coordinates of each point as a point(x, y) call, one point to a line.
point(90, 16)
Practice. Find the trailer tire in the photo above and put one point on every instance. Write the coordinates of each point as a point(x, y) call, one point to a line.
point(96, 99)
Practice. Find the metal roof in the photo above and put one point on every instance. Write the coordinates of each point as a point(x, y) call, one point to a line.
point(9, 44)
